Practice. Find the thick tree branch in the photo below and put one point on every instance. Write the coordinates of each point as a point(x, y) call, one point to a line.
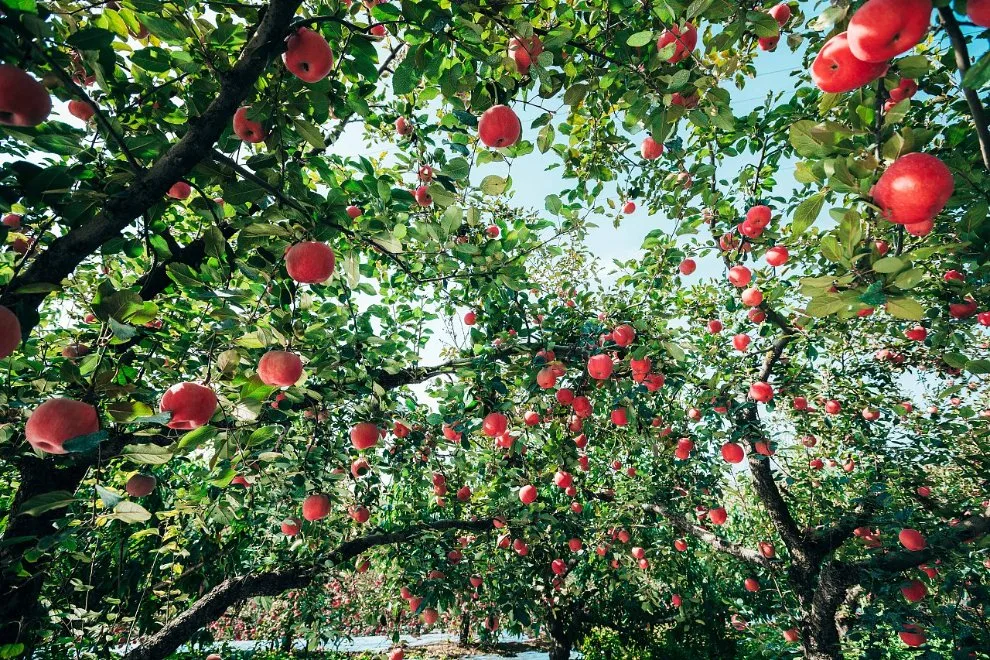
point(236, 589)
point(66, 252)
point(687, 527)
point(976, 108)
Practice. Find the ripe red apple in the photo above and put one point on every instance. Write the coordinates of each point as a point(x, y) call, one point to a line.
point(768, 43)
point(499, 127)
point(546, 378)
point(531, 418)
point(752, 297)
point(494, 424)
point(81, 110)
point(760, 391)
point(599, 367)
point(523, 51)
point(140, 485)
point(912, 539)
point(687, 266)
point(423, 196)
point(684, 39)
point(714, 326)
point(650, 149)
point(718, 516)
point(912, 635)
point(791, 635)
point(979, 12)
point(619, 417)
point(403, 127)
point(180, 190)
point(576, 507)
point(10, 332)
point(430, 616)
point(396, 654)
point(689, 101)
point(777, 256)
point(364, 435)
point(629, 208)
point(756, 315)
point(833, 407)
point(308, 56)
point(623, 335)
point(565, 396)
point(905, 89)
point(880, 30)
point(816, 464)
point(310, 262)
point(924, 491)
point(917, 333)
point(359, 514)
point(58, 420)
point(528, 494)
point(837, 70)
point(740, 276)
point(767, 549)
point(291, 526)
point(914, 591)
point(249, 131)
point(492, 231)
point(425, 174)
point(732, 452)
point(23, 100)
point(354, 212)
point(582, 407)
point(741, 342)
point(281, 368)
point(378, 30)
point(680, 545)
point(781, 13)
point(191, 404)
point(914, 189)
point(751, 584)
point(12, 220)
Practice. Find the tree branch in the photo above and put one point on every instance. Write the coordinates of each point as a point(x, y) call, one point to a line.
point(233, 590)
point(699, 532)
point(972, 97)
point(66, 252)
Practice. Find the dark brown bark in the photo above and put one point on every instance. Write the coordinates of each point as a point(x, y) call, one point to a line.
point(976, 109)
point(231, 591)
point(560, 630)
point(464, 638)
point(66, 252)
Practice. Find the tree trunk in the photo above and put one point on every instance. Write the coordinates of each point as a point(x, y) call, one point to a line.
point(820, 602)
point(21, 581)
point(465, 637)
point(559, 630)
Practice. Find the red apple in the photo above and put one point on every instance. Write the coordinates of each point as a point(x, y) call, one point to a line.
point(423, 196)
point(912, 635)
point(308, 56)
point(837, 70)
point(140, 485)
point(623, 335)
point(740, 276)
point(912, 539)
point(767, 549)
point(531, 418)
point(914, 189)
point(528, 494)
point(751, 584)
point(249, 131)
point(523, 51)
point(359, 514)
point(629, 208)
point(718, 516)
point(741, 342)
point(180, 190)
point(23, 100)
point(684, 39)
point(761, 391)
point(777, 256)
point(651, 149)
point(494, 424)
point(917, 333)
point(781, 13)
point(791, 635)
point(914, 591)
point(291, 526)
point(687, 266)
point(979, 12)
point(732, 452)
point(58, 420)
point(499, 127)
point(191, 404)
point(364, 435)
point(310, 262)
point(10, 332)
point(880, 30)
point(12, 220)
point(600, 367)
point(81, 110)
point(680, 545)
point(403, 127)
point(281, 368)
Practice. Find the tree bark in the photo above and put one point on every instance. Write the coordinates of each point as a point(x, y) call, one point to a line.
point(465, 634)
point(231, 591)
point(560, 631)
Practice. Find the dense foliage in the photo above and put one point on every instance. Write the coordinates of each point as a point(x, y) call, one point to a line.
point(764, 435)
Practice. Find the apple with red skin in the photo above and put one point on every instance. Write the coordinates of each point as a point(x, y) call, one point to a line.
point(492, 231)
point(651, 149)
point(10, 332)
point(780, 13)
point(714, 326)
point(767, 549)
point(180, 190)
point(979, 12)
point(470, 318)
point(599, 367)
point(687, 267)
point(791, 635)
point(396, 654)
point(140, 485)
point(917, 333)
point(81, 110)
point(359, 514)
point(680, 545)
point(75, 350)
point(280, 368)
point(565, 396)
point(403, 127)
point(623, 335)
point(752, 297)
point(354, 212)
point(430, 616)
point(880, 30)
point(768, 44)
point(732, 453)
point(494, 424)
point(528, 494)
point(499, 127)
point(191, 404)
point(310, 262)
point(777, 256)
point(761, 391)
point(914, 591)
point(619, 417)
point(23, 100)
point(364, 435)
point(912, 635)
point(582, 407)
point(531, 418)
point(423, 196)
point(378, 30)
point(360, 468)
point(425, 174)
point(629, 208)
point(912, 539)
point(308, 55)
point(751, 584)
point(913, 190)
point(718, 516)
point(12, 220)
point(759, 216)
point(905, 89)
point(740, 276)
point(741, 342)
point(523, 51)
point(684, 39)
point(246, 129)
point(836, 69)
point(689, 102)
point(58, 420)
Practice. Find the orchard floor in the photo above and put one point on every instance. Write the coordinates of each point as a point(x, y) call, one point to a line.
point(433, 645)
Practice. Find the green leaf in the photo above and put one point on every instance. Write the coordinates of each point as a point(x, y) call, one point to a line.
point(147, 454)
point(405, 78)
point(84, 443)
point(22, 5)
point(909, 278)
point(458, 168)
point(164, 29)
point(545, 138)
point(493, 185)
point(888, 265)
point(806, 213)
point(955, 360)
point(39, 504)
point(109, 498)
point(575, 94)
point(640, 39)
point(978, 74)
point(978, 366)
point(763, 24)
point(197, 437)
point(130, 512)
point(309, 132)
point(91, 38)
point(908, 309)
